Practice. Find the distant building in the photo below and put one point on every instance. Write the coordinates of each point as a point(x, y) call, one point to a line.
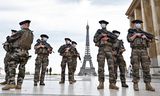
point(149, 12)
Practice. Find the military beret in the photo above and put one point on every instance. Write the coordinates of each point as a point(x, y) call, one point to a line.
point(115, 31)
point(68, 39)
point(73, 42)
point(14, 31)
point(44, 35)
point(25, 21)
point(137, 21)
point(103, 21)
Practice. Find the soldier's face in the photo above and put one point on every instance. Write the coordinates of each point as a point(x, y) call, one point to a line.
point(44, 39)
point(26, 25)
point(138, 25)
point(13, 33)
point(74, 45)
point(103, 25)
point(67, 42)
point(117, 34)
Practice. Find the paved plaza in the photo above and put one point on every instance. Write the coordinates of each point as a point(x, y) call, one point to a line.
point(85, 86)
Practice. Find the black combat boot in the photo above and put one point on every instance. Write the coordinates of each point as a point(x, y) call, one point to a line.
point(18, 87)
point(70, 82)
point(149, 87)
point(124, 85)
point(101, 85)
point(61, 82)
point(42, 84)
point(74, 81)
point(135, 87)
point(113, 86)
point(35, 83)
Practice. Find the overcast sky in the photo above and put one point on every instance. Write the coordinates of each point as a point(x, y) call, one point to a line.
point(64, 18)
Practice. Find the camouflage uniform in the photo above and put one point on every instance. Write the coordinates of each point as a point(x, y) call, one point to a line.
point(105, 51)
point(139, 55)
point(17, 56)
point(74, 60)
point(119, 60)
point(7, 48)
point(41, 62)
point(66, 59)
point(6, 68)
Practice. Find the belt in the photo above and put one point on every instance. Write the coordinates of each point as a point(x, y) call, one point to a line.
point(139, 47)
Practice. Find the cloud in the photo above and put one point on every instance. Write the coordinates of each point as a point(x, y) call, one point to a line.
point(109, 2)
point(96, 2)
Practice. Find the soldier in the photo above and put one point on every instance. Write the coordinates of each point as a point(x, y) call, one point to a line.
point(118, 49)
point(42, 49)
point(104, 40)
point(65, 52)
point(7, 47)
point(74, 58)
point(50, 71)
point(21, 43)
point(139, 42)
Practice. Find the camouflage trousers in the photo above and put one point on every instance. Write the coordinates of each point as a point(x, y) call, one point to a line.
point(140, 56)
point(18, 57)
point(6, 66)
point(105, 52)
point(68, 61)
point(40, 65)
point(74, 64)
point(120, 62)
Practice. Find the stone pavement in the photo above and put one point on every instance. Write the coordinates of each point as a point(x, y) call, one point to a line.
point(85, 86)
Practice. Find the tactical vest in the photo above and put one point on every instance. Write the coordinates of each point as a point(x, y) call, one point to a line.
point(41, 51)
point(62, 49)
point(100, 42)
point(139, 42)
point(118, 44)
point(26, 39)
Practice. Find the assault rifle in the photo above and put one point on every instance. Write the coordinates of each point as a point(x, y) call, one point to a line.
point(109, 34)
point(147, 34)
point(45, 44)
point(62, 49)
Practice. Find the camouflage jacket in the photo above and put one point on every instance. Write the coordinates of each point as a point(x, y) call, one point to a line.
point(98, 36)
point(75, 53)
point(14, 39)
point(63, 52)
point(46, 50)
point(138, 41)
point(118, 47)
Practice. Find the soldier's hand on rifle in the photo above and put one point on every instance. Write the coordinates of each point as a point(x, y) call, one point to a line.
point(144, 37)
point(104, 34)
point(42, 46)
point(36, 47)
point(138, 34)
point(67, 49)
point(105, 38)
point(114, 53)
point(50, 50)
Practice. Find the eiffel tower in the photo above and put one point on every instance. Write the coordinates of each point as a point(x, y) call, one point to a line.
point(87, 70)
